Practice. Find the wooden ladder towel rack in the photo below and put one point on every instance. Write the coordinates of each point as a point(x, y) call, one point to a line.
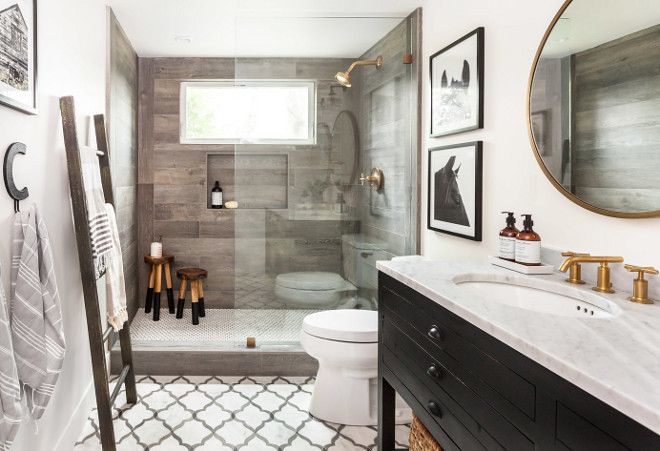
point(97, 337)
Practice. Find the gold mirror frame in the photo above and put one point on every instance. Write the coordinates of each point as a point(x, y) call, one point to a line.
point(537, 154)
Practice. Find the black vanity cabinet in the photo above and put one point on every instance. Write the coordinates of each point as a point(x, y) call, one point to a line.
point(473, 392)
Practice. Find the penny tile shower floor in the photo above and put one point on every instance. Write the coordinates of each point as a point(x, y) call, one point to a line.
point(220, 325)
point(227, 413)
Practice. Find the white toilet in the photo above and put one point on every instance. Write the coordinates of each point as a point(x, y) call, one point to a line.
point(345, 342)
point(324, 290)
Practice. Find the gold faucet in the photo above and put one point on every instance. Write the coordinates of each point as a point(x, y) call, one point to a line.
point(575, 276)
point(603, 283)
point(641, 286)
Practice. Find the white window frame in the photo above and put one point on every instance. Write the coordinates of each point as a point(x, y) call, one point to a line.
point(311, 111)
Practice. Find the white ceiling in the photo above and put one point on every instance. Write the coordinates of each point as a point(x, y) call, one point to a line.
point(589, 23)
point(275, 28)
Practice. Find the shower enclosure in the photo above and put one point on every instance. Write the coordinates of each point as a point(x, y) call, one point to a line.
point(288, 144)
point(308, 233)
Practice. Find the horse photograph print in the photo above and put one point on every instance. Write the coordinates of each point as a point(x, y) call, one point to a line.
point(454, 198)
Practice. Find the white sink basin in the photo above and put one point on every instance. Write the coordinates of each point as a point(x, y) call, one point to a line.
point(544, 297)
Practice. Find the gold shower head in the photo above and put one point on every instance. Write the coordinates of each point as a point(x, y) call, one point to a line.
point(344, 78)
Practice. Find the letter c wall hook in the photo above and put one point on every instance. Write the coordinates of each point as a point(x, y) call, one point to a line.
point(8, 169)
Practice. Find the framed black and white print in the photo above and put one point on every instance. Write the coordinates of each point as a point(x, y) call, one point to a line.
point(455, 189)
point(18, 55)
point(457, 86)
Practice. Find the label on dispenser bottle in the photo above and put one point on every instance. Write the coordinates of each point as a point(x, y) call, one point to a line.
point(528, 252)
point(507, 247)
point(216, 199)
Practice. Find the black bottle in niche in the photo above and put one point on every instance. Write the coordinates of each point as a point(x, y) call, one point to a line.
point(216, 196)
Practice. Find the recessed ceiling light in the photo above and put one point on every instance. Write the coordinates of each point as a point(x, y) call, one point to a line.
point(183, 39)
point(558, 40)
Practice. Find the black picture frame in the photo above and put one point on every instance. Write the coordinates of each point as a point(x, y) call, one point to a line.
point(18, 55)
point(454, 204)
point(457, 100)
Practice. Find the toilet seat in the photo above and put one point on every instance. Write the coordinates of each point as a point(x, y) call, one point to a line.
point(310, 281)
point(353, 326)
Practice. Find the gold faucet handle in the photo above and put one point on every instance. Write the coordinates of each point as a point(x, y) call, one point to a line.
point(641, 286)
point(641, 270)
point(362, 178)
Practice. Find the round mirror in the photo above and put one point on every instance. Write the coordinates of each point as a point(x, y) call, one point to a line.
point(594, 105)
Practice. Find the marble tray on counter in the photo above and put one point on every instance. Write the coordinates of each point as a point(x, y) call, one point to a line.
point(524, 269)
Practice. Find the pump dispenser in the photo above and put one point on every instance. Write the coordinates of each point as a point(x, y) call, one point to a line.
point(528, 244)
point(508, 238)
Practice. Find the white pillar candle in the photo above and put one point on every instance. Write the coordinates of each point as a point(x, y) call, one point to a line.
point(157, 249)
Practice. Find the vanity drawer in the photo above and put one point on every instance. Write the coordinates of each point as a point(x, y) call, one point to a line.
point(440, 408)
point(427, 323)
point(439, 380)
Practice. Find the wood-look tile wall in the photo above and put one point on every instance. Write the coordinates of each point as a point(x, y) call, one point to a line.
point(387, 141)
point(121, 121)
point(616, 119)
point(174, 179)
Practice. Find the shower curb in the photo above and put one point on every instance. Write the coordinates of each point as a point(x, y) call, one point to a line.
point(166, 359)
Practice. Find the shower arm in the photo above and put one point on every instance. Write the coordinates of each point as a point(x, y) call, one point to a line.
point(377, 63)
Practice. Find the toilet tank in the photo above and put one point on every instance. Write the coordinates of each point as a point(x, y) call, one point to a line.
point(359, 255)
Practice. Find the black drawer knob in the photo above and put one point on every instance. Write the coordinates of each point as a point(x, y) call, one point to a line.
point(434, 408)
point(434, 372)
point(435, 333)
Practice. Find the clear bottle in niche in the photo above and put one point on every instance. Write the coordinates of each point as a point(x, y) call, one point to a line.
point(216, 196)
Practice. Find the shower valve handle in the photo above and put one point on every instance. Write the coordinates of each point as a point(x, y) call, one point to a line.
point(375, 179)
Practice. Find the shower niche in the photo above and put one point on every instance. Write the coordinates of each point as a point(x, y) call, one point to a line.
point(254, 180)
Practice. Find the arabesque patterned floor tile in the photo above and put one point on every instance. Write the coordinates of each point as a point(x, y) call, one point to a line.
point(227, 414)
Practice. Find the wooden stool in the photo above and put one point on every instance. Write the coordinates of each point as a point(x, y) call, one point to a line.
point(195, 276)
point(158, 265)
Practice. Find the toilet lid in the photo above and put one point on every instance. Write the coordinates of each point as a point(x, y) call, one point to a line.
point(356, 326)
point(310, 281)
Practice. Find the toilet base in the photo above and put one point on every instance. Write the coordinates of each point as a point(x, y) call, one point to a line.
point(352, 398)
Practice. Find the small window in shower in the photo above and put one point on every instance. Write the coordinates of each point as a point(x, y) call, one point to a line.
point(248, 111)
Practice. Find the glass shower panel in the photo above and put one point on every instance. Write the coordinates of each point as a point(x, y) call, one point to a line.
point(307, 233)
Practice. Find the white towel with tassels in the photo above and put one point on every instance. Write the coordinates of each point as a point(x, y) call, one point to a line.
point(11, 411)
point(99, 227)
point(114, 278)
point(36, 317)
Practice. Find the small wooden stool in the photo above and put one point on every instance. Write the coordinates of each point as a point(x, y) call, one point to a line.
point(158, 265)
point(195, 276)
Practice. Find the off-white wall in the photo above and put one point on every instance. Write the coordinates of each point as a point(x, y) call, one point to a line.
point(512, 178)
point(71, 39)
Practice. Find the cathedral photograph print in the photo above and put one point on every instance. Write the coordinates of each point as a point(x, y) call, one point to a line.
point(457, 81)
point(18, 50)
point(455, 190)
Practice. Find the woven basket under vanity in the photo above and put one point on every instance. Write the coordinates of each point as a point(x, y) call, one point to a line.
point(420, 438)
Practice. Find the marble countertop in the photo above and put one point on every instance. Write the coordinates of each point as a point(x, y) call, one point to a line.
point(616, 359)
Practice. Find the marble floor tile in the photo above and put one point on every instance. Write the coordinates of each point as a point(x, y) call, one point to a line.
point(227, 414)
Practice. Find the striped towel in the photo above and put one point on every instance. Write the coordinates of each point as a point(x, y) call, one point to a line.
point(114, 279)
point(99, 226)
point(36, 318)
point(10, 389)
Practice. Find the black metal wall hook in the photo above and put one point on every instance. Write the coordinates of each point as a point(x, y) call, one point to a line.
point(8, 172)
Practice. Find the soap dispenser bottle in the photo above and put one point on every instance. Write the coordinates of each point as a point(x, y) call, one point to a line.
point(528, 244)
point(508, 238)
point(216, 196)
